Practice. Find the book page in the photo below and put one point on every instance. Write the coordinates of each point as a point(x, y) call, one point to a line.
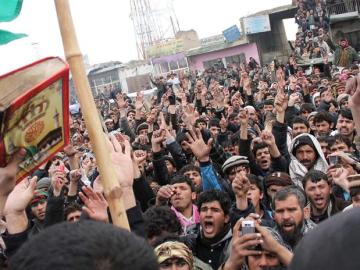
point(14, 85)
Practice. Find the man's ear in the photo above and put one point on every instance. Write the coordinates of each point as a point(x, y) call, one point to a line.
point(227, 219)
point(307, 212)
point(193, 196)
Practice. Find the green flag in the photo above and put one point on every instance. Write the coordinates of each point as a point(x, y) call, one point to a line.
point(6, 37)
point(9, 10)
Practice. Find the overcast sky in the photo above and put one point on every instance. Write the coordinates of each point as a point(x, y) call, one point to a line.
point(105, 30)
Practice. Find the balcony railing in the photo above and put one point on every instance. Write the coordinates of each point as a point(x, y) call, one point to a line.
point(345, 6)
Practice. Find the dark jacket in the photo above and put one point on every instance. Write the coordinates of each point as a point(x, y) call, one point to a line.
point(214, 251)
point(335, 206)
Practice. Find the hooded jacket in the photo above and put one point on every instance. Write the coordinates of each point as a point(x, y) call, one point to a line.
point(297, 170)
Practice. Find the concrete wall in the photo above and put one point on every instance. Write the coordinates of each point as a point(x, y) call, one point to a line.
point(272, 44)
point(138, 76)
point(190, 39)
point(250, 50)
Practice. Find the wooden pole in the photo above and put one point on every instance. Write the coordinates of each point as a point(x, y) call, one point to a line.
point(74, 58)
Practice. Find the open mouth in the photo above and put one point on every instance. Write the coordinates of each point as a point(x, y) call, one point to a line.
point(288, 226)
point(208, 227)
point(319, 201)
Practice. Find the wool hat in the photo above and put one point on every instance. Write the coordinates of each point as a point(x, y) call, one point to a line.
point(341, 97)
point(172, 249)
point(234, 161)
point(39, 195)
point(141, 127)
point(278, 179)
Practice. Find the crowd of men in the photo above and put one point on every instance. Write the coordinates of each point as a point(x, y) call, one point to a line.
point(207, 155)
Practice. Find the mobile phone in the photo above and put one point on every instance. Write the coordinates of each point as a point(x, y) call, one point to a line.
point(247, 226)
point(333, 160)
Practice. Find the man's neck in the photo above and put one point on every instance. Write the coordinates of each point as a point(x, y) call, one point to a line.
point(187, 212)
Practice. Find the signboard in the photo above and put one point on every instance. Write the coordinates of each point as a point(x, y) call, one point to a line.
point(232, 34)
point(208, 41)
point(165, 48)
point(257, 24)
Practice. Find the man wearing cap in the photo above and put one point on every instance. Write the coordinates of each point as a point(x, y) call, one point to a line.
point(275, 182)
point(306, 154)
point(174, 255)
point(109, 123)
point(235, 165)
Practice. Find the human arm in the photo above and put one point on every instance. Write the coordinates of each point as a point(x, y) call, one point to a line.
point(8, 178)
point(240, 186)
point(17, 201)
point(95, 205)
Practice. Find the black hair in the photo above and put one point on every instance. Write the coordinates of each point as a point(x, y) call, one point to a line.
point(259, 146)
point(328, 139)
point(340, 138)
point(215, 195)
point(72, 208)
point(180, 178)
point(188, 168)
point(288, 191)
point(323, 116)
point(301, 120)
point(315, 176)
point(84, 245)
point(346, 113)
point(256, 181)
point(159, 219)
point(307, 107)
point(268, 102)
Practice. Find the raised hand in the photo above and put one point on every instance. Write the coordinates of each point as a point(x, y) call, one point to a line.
point(197, 145)
point(95, 204)
point(241, 247)
point(121, 101)
point(281, 101)
point(8, 173)
point(139, 101)
point(139, 156)
point(223, 123)
point(267, 137)
point(241, 185)
point(21, 196)
point(120, 154)
point(164, 194)
point(189, 117)
point(58, 180)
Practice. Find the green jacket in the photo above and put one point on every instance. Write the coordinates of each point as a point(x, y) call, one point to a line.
point(353, 56)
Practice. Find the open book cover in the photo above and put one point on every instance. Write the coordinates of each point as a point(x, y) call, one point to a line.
point(34, 113)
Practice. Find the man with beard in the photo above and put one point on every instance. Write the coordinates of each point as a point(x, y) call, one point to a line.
point(323, 203)
point(291, 215)
point(306, 154)
point(345, 55)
